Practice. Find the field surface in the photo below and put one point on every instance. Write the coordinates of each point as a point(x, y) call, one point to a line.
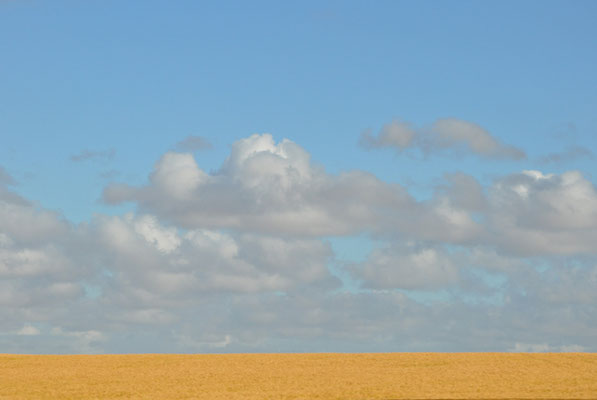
point(300, 376)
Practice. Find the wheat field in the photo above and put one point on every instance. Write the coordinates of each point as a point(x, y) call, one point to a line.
point(300, 376)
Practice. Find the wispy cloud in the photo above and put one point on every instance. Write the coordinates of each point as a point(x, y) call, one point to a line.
point(568, 155)
point(193, 143)
point(85, 155)
point(448, 136)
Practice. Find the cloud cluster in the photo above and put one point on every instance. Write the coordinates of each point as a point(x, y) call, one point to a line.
point(263, 187)
point(239, 260)
point(274, 189)
point(444, 136)
point(42, 269)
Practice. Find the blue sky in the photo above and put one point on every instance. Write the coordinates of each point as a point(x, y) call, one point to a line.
point(95, 95)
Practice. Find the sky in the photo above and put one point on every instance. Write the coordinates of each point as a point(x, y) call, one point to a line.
point(315, 176)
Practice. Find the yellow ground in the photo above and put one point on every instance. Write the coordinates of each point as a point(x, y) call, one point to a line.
point(300, 376)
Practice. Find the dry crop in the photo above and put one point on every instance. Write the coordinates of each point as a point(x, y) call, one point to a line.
point(300, 376)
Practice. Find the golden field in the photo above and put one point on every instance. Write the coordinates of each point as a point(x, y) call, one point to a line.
point(300, 376)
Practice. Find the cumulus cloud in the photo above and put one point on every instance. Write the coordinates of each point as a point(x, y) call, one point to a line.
point(43, 267)
point(447, 135)
point(144, 271)
point(238, 260)
point(536, 213)
point(201, 261)
point(21, 221)
point(408, 267)
point(192, 144)
point(463, 191)
point(275, 189)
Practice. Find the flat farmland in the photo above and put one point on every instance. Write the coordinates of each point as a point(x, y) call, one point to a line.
point(300, 376)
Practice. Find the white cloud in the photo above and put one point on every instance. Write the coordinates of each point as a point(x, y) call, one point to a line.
point(150, 282)
point(23, 222)
point(28, 330)
point(238, 260)
point(538, 213)
point(16, 261)
point(165, 240)
point(178, 174)
point(463, 191)
point(258, 159)
point(408, 267)
point(274, 189)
